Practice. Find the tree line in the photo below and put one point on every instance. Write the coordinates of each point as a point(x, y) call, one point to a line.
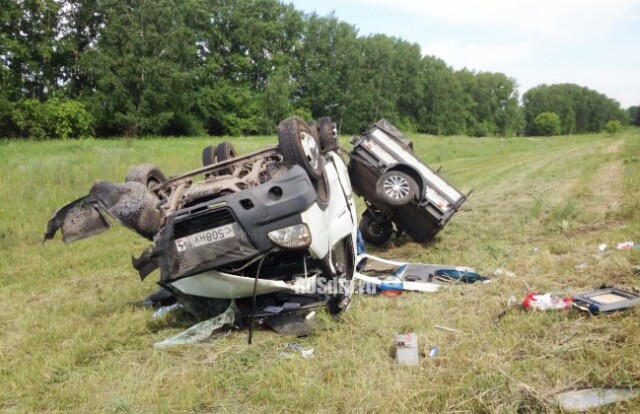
point(230, 67)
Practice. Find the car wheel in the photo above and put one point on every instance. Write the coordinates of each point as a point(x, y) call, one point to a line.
point(225, 151)
point(147, 174)
point(396, 188)
point(328, 139)
point(314, 129)
point(343, 259)
point(209, 155)
point(150, 176)
point(299, 146)
point(373, 230)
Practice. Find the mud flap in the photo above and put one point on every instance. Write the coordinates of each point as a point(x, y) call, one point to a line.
point(130, 204)
point(77, 220)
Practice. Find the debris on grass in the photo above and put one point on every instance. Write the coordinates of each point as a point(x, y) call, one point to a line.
point(397, 276)
point(452, 275)
point(434, 351)
point(546, 301)
point(163, 311)
point(588, 398)
point(602, 247)
point(628, 245)
point(306, 353)
point(202, 331)
point(606, 300)
point(407, 349)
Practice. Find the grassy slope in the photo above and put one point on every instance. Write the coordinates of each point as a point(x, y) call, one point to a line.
point(70, 339)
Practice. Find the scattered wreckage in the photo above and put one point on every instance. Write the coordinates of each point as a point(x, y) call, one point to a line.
point(281, 219)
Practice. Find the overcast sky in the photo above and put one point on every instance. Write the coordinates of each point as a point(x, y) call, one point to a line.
point(593, 43)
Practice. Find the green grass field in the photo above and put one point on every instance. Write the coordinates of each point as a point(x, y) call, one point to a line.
point(72, 339)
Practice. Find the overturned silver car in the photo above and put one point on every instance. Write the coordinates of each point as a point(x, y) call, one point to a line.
point(275, 220)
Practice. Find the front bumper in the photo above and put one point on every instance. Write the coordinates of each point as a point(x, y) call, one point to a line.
point(220, 285)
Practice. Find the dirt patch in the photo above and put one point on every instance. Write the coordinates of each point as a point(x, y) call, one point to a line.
point(614, 148)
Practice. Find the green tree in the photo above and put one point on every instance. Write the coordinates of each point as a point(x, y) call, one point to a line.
point(143, 65)
point(633, 113)
point(276, 100)
point(492, 104)
point(569, 123)
point(613, 127)
point(547, 124)
point(592, 110)
point(442, 110)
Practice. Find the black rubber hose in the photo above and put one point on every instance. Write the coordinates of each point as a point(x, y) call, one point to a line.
point(253, 303)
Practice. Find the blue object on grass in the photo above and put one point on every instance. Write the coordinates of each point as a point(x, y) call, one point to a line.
point(460, 276)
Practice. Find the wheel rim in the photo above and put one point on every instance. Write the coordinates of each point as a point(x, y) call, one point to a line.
point(396, 187)
point(310, 149)
point(375, 228)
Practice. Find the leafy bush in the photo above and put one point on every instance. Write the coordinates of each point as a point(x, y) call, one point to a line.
point(613, 126)
point(547, 124)
point(54, 119)
point(484, 129)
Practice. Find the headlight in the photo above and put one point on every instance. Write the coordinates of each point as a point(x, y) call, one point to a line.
point(292, 237)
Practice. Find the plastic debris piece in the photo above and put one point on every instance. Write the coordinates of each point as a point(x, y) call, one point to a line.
point(546, 301)
point(589, 398)
point(434, 351)
point(200, 332)
point(535, 250)
point(160, 312)
point(625, 246)
point(602, 247)
point(310, 315)
point(407, 349)
point(511, 302)
point(306, 353)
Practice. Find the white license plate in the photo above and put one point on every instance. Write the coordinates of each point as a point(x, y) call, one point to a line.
point(205, 237)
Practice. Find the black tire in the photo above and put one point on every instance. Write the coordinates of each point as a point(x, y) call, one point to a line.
point(299, 146)
point(314, 129)
point(147, 174)
point(328, 139)
point(224, 152)
point(374, 231)
point(209, 155)
point(396, 188)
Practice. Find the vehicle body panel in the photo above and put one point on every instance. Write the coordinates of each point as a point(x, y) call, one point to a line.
point(382, 148)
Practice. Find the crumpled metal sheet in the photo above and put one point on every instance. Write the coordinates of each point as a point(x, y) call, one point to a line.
point(131, 204)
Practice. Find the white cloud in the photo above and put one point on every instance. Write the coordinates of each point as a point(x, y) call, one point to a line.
point(496, 57)
point(565, 20)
